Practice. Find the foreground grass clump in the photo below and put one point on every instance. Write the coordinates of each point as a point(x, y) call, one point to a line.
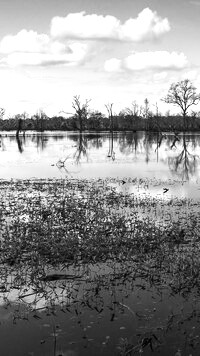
point(90, 248)
point(89, 221)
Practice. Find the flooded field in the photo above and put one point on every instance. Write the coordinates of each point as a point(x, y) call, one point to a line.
point(100, 244)
point(93, 155)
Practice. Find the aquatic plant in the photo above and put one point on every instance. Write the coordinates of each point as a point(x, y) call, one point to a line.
point(89, 248)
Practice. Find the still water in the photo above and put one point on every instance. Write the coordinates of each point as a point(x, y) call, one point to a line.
point(166, 157)
point(146, 303)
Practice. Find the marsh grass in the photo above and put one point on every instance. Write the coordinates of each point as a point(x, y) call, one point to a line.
point(84, 246)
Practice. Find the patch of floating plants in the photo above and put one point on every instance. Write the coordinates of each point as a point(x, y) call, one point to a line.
point(97, 269)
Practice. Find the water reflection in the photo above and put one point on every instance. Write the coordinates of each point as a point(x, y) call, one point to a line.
point(81, 151)
point(20, 142)
point(158, 155)
point(111, 153)
point(41, 141)
point(185, 163)
point(102, 314)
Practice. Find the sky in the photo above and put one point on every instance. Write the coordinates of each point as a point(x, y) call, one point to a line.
point(109, 51)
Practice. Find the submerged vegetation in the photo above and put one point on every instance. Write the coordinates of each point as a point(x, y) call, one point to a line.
point(99, 255)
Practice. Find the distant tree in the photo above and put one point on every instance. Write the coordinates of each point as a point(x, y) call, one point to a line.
point(42, 115)
point(167, 114)
point(2, 113)
point(24, 115)
point(109, 108)
point(19, 120)
point(81, 110)
point(146, 108)
point(195, 113)
point(39, 119)
point(146, 113)
point(96, 119)
point(182, 94)
point(133, 110)
point(19, 126)
point(157, 113)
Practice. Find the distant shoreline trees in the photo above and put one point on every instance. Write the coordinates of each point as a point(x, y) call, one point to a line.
point(96, 121)
point(136, 118)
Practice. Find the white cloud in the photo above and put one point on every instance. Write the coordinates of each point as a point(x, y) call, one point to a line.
point(42, 59)
point(148, 25)
point(31, 48)
point(158, 60)
point(61, 46)
point(25, 41)
point(79, 25)
point(155, 60)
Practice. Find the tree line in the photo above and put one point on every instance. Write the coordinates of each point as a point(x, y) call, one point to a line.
point(182, 94)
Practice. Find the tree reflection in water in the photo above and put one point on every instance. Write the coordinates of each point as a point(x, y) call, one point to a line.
point(81, 151)
point(20, 142)
point(84, 143)
point(160, 137)
point(185, 163)
point(111, 153)
point(2, 144)
point(129, 142)
point(148, 142)
point(61, 164)
point(177, 153)
point(41, 141)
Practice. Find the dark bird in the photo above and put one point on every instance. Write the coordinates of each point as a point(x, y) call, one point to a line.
point(123, 181)
point(165, 190)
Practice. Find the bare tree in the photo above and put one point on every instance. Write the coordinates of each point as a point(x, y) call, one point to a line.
point(81, 110)
point(2, 113)
point(146, 108)
point(182, 94)
point(157, 110)
point(65, 112)
point(109, 108)
point(133, 110)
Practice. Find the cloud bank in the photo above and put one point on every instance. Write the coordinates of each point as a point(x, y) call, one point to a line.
point(31, 48)
point(66, 43)
point(158, 60)
point(147, 26)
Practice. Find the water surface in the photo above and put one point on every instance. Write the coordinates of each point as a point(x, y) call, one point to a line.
point(166, 157)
